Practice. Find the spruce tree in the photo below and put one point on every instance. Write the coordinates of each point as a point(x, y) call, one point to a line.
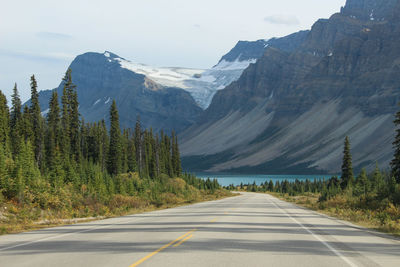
point(53, 130)
point(4, 124)
point(395, 164)
point(65, 120)
point(139, 146)
point(115, 150)
point(16, 121)
point(347, 168)
point(37, 122)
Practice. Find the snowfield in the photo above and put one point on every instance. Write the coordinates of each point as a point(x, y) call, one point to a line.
point(200, 83)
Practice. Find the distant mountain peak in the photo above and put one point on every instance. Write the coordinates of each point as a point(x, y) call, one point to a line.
point(111, 55)
point(372, 10)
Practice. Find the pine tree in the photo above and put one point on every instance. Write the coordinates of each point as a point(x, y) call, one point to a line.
point(139, 146)
point(363, 183)
point(347, 168)
point(16, 121)
point(115, 150)
point(65, 120)
point(4, 124)
point(26, 128)
point(37, 122)
point(53, 131)
point(395, 164)
point(377, 178)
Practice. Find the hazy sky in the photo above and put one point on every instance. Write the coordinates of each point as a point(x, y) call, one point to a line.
point(42, 37)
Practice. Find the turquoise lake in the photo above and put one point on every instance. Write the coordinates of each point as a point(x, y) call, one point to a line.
point(236, 179)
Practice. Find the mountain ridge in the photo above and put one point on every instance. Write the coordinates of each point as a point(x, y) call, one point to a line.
point(342, 80)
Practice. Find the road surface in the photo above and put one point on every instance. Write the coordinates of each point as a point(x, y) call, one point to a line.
point(247, 230)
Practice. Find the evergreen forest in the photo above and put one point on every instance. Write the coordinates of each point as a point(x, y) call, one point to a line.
point(56, 165)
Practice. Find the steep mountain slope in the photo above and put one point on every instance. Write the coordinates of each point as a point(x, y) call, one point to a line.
point(290, 111)
point(100, 79)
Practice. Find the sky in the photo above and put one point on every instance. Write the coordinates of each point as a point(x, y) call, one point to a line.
point(42, 37)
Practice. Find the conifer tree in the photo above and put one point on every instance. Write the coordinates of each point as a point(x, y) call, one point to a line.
point(37, 122)
point(16, 121)
point(115, 150)
point(53, 130)
point(65, 119)
point(347, 168)
point(27, 125)
point(395, 164)
point(377, 180)
point(363, 183)
point(139, 146)
point(4, 124)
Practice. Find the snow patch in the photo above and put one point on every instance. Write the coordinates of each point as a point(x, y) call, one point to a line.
point(97, 101)
point(44, 113)
point(234, 65)
point(371, 16)
point(330, 54)
point(106, 54)
point(107, 101)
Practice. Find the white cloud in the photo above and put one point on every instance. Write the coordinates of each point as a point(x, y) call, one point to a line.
point(282, 19)
point(53, 36)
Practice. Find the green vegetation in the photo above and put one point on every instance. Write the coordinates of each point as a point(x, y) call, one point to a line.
point(61, 167)
point(372, 200)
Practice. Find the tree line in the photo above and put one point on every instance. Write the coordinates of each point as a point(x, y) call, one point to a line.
point(60, 153)
point(367, 187)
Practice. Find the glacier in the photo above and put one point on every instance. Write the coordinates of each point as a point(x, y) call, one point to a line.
point(202, 84)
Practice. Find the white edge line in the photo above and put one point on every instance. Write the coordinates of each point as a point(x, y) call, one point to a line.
point(317, 237)
point(66, 234)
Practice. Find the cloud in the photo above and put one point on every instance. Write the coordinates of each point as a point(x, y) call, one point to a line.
point(53, 36)
point(48, 56)
point(282, 19)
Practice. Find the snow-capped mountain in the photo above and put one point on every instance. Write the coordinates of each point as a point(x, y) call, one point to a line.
point(201, 84)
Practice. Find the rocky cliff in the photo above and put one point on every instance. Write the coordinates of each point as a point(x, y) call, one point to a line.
point(290, 111)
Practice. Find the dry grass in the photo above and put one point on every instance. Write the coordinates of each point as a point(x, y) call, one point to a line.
point(15, 218)
point(384, 217)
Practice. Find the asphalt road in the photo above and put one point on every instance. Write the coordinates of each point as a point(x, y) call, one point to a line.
point(248, 230)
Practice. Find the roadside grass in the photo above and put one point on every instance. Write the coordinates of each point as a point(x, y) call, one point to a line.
point(382, 216)
point(16, 218)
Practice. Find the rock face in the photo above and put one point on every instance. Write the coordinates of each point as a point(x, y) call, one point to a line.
point(100, 79)
point(290, 111)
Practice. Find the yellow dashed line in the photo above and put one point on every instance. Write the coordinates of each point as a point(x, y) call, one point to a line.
point(164, 247)
point(183, 240)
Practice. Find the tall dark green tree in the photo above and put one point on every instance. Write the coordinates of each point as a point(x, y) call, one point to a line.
point(65, 119)
point(115, 149)
point(347, 166)
point(16, 121)
point(37, 122)
point(71, 121)
point(139, 146)
point(4, 124)
point(53, 131)
point(395, 164)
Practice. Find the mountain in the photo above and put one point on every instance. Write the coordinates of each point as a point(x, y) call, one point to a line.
point(100, 78)
point(291, 110)
point(168, 98)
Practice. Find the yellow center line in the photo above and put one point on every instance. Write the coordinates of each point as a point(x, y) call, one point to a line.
point(214, 220)
point(183, 240)
point(160, 249)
